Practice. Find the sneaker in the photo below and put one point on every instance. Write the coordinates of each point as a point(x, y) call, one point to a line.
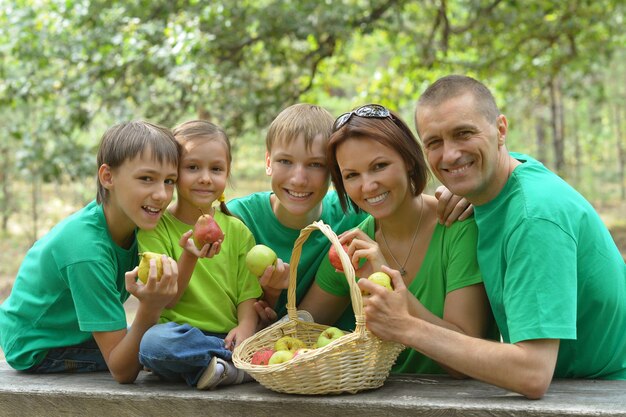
point(221, 372)
point(212, 375)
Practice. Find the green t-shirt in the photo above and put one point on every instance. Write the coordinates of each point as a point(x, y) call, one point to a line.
point(255, 210)
point(70, 284)
point(552, 271)
point(449, 264)
point(218, 284)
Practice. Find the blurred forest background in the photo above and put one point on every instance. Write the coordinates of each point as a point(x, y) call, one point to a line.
point(71, 68)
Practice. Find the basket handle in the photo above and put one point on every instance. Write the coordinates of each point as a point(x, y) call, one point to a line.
point(355, 291)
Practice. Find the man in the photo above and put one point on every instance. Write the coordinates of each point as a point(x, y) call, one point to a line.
point(554, 277)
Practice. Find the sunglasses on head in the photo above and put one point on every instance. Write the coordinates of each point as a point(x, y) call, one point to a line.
point(375, 111)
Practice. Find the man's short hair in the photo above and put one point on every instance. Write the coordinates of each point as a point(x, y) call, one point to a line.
point(452, 86)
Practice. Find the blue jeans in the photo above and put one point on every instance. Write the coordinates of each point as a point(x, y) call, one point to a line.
point(179, 351)
point(84, 357)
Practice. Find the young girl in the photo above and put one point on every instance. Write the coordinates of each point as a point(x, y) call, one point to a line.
point(214, 308)
point(377, 164)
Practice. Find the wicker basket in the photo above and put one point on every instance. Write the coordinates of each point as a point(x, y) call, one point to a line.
point(357, 361)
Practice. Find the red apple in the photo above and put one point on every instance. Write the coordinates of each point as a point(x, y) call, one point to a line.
point(262, 356)
point(333, 256)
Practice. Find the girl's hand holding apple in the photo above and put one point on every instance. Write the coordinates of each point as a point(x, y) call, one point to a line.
point(207, 251)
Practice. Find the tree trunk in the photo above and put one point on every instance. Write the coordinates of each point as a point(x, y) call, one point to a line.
point(621, 154)
point(540, 131)
point(5, 186)
point(35, 194)
point(556, 106)
point(578, 155)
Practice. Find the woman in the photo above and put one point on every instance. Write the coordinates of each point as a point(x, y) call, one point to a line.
point(377, 166)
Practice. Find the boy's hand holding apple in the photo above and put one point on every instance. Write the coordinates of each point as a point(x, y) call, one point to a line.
point(156, 293)
point(275, 278)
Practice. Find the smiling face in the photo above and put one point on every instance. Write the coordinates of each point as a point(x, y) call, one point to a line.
point(465, 151)
point(203, 175)
point(299, 179)
point(139, 191)
point(375, 176)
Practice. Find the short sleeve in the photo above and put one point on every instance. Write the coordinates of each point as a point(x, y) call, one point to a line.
point(462, 259)
point(540, 285)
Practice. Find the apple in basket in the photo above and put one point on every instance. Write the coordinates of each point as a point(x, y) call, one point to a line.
point(280, 356)
point(302, 351)
point(289, 343)
point(262, 356)
point(328, 335)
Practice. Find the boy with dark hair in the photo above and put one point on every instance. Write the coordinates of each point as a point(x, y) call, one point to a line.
point(65, 312)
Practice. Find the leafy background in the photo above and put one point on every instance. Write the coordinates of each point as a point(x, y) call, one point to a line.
point(70, 68)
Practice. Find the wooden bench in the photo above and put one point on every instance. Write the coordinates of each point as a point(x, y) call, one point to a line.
point(402, 395)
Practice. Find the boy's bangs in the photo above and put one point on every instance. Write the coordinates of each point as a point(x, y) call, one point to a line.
point(135, 138)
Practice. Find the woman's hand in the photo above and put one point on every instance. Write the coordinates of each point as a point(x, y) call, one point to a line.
point(361, 246)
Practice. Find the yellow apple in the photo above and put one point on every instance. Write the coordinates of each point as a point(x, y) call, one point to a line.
point(280, 356)
point(381, 279)
point(289, 343)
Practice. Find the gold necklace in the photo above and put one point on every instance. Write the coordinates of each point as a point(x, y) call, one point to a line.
point(408, 255)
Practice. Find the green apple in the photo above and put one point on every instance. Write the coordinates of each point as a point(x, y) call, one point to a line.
point(144, 265)
point(280, 356)
point(289, 343)
point(328, 335)
point(259, 258)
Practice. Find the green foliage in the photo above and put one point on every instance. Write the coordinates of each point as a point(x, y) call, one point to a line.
point(70, 68)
